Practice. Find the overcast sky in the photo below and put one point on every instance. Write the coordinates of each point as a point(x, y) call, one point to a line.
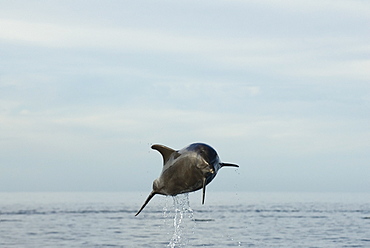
point(281, 88)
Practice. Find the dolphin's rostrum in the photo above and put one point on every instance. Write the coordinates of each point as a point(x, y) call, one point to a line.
point(186, 170)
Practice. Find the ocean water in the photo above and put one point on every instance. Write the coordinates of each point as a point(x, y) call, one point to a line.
point(227, 219)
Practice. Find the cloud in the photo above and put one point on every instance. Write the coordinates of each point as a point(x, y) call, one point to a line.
point(122, 38)
point(273, 135)
point(85, 89)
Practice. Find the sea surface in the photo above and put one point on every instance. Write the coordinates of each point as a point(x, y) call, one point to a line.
point(227, 219)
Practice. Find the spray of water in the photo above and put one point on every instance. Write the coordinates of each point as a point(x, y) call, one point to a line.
point(182, 220)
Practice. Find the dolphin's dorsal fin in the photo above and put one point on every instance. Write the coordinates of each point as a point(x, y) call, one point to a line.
point(165, 151)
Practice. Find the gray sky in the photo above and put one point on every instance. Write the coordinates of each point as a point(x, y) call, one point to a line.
point(280, 87)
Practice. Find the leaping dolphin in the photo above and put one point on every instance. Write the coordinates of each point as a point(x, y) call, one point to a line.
point(185, 170)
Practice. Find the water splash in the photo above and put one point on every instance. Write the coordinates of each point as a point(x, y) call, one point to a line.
point(182, 220)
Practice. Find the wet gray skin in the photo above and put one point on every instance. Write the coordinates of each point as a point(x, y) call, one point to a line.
point(186, 170)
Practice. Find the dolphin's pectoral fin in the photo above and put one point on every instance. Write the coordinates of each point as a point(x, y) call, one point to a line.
point(165, 151)
point(228, 164)
point(204, 189)
point(146, 202)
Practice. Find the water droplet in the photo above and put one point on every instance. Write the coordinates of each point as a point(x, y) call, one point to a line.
point(183, 216)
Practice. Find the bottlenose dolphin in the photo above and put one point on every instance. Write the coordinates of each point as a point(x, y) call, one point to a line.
point(185, 170)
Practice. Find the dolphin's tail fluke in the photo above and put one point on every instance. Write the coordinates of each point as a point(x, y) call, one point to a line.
point(228, 164)
point(146, 202)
